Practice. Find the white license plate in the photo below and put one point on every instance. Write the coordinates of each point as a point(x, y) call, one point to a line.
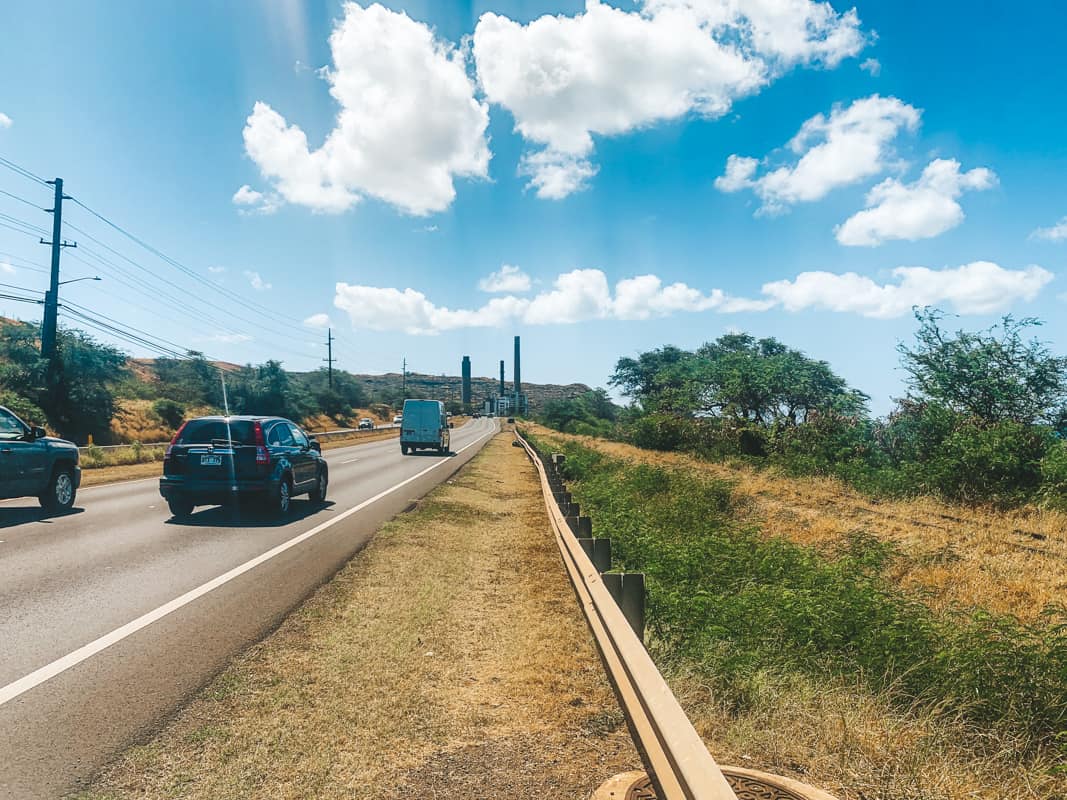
point(210, 461)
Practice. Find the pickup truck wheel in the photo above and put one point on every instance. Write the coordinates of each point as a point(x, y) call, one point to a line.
point(318, 494)
point(282, 499)
point(59, 494)
point(180, 506)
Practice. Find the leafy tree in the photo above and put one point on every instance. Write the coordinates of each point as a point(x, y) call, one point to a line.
point(267, 390)
point(170, 411)
point(995, 375)
point(739, 377)
point(665, 379)
point(78, 397)
point(193, 380)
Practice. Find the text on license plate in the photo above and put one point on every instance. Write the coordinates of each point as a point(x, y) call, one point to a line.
point(210, 461)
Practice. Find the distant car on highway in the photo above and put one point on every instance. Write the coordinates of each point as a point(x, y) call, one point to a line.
point(34, 464)
point(263, 460)
point(425, 427)
point(366, 424)
point(398, 419)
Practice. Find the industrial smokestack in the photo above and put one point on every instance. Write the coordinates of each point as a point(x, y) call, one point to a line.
point(518, 371)
point(465, 395)
point(503, 391)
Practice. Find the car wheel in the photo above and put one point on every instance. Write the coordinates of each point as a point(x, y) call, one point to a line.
point(403, 449)
point(59, 494)
point(180, 506)
point(283, 497)
point(318, 494)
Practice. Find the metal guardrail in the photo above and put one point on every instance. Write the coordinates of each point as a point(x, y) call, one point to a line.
point(675, 756)
point(321, 434)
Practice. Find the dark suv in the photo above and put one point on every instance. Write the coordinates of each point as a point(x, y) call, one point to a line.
point(215, 460)
point(33, 464)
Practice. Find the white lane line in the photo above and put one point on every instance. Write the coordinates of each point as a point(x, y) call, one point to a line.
point(72, 659)
point(350, 461)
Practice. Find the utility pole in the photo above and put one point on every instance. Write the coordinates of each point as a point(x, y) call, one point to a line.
point(405, 384)
point(51, 297)
point(329, 355)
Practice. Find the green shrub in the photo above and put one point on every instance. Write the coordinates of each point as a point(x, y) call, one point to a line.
point(22, 408)
point(728, 601)
point(1054, 476)
point(170, 411)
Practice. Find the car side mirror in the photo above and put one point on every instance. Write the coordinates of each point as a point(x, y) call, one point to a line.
point(38, 433)
point(316, 446)
point(451, 424)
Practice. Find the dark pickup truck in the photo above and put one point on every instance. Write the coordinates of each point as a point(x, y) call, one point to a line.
point(33, 464)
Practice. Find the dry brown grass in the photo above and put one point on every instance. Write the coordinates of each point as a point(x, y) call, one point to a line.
point(448, 659)
point(860, 746)
point(1008, 562)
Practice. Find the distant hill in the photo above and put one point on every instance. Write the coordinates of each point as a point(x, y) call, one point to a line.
point(447, 387)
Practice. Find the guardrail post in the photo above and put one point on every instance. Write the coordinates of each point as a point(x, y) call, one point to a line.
point(599, 552)
point(628, 589)
point(585, 528)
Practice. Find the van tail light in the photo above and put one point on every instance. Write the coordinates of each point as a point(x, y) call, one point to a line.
point(174, 441)
point(262, 454)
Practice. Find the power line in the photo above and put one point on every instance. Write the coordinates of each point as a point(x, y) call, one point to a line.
point(22, 200)
point(185, 302)
point(11, 165)
point(249, 304)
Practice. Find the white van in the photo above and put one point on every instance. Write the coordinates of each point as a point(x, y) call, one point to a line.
point(424, 425)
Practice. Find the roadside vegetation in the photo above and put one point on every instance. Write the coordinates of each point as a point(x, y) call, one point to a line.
point(96, 393)
point(817, 661)
point(983, 421)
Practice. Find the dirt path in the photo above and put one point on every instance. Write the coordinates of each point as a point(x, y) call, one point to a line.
point(449, 659)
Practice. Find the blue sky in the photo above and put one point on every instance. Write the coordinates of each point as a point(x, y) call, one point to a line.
point(584, 149)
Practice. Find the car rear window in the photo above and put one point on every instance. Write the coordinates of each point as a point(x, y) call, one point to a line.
point(209, 430)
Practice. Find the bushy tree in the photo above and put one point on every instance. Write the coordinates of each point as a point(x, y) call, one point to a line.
point(995, 375)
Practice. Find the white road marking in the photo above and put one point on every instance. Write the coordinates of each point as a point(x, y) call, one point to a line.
point(72, 659)
point(350, 461)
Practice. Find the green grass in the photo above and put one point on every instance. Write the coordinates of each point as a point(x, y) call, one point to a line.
point(737, 606)
point(94, 457)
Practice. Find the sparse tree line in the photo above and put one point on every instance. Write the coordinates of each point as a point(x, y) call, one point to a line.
point(984, 419)
point(78, 396)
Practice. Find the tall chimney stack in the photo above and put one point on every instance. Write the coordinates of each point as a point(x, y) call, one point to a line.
point(518, 372)
point(465, 392)
point(503, 391)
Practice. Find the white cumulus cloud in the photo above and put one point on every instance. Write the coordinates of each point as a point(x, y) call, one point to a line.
point(853, 143)
point(6, 268)
point(318, 321)
point(607, 71)
point(872, 66)
point(1053, 233)
point(216, 270)
point(5, 121)
point(408, 124)
point(506, 279)
point(256, 281)
point(920, 210)
point(981, 287)
point(251, 201)
point(576, 296)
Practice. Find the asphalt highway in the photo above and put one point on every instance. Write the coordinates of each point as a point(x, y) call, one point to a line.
point(113, 615)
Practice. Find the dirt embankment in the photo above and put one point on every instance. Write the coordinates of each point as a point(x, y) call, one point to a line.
point(448, 659)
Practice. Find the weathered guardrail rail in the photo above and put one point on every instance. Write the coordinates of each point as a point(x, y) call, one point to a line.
point(678, 764)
